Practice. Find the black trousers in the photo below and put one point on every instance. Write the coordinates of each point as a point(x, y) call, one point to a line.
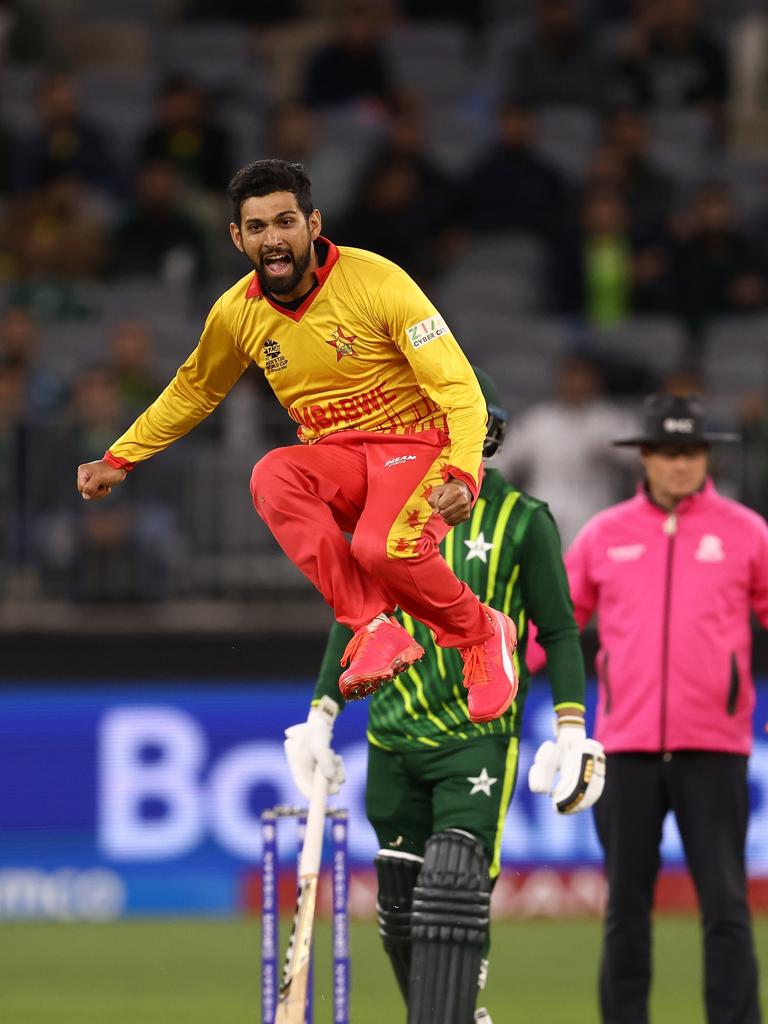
point(708, 794)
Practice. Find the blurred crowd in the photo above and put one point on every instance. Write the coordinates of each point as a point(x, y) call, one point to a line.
point(582, 186)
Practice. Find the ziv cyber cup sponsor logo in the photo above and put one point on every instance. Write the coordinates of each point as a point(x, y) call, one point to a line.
point(426, 330)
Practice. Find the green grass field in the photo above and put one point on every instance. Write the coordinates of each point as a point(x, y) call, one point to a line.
point(207, 972)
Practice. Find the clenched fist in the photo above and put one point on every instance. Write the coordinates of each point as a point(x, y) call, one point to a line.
point(96, 479)
point(453, 501)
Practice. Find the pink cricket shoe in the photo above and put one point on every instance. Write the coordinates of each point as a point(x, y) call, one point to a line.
point(489, 672)
point(374, 657)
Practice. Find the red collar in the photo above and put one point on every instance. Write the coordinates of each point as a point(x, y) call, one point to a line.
point(321, 273)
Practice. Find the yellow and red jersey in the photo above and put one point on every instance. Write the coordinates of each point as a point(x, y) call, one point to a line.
point(366, 350)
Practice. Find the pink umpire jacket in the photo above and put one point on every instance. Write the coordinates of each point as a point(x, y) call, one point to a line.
point(673, 594)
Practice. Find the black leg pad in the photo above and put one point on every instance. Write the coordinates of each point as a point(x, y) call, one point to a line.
point(397, 874)
point(449, 929)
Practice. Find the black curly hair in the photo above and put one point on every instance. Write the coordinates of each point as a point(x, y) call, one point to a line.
point(262, 177)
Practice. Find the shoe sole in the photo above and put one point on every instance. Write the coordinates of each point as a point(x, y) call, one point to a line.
point(364, 686)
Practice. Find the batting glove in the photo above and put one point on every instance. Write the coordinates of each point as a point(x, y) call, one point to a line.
point(570, 771)
point(308, 744)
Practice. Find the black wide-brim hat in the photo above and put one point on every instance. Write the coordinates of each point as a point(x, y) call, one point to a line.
point(675, 419)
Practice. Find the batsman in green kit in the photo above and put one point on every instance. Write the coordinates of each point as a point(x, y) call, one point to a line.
point(438, 786)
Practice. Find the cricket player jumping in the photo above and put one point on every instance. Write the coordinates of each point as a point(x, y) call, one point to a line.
point(392, 421)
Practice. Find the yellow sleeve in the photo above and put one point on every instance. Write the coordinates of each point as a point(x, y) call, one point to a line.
point(441, 368)
point(198, 387)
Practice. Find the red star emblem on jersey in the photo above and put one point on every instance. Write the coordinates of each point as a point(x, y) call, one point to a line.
point(342, 343)
point(413, 518)
point(427, 492)
point(402, 544)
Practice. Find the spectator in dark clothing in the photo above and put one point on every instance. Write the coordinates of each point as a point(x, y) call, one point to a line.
point(241, 10)
point(606, 12)
point(64, 143)
point(512, 188)
point(184, 133)
point(19, 338)
point(9, 150)
point(353, 67)
point(13, 502)
point(757, 229)
point(558, 65)
point(405, 141)
point(394, 216)
point(132, 354)
point(405, 136)
point(671, 61)
point(54, 239)
point(647, 232)
point(648, 191)
point(473, 17)
point(715, 270)
point(120, 552)
point(63, 218)
point(25, 33)
point(158, 236)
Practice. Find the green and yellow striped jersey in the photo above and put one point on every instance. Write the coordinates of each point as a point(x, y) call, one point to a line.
point(509, 554)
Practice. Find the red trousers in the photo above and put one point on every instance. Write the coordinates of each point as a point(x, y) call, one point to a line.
point(374, 487)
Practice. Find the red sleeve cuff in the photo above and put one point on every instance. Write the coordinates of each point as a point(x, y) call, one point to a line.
point(117, 462)
point(452, 473)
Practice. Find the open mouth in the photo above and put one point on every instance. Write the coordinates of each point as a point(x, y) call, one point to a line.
point(279, 264)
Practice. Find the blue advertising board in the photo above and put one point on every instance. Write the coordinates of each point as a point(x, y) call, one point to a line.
point(135, 800)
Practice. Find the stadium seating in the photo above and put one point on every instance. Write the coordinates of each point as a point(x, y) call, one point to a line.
point(432, 59)
point(735, 358)
point(498, 274)
point(567, 136)
point(658, 343)
point(234, 553)
point(680, 141)
point(520, 352)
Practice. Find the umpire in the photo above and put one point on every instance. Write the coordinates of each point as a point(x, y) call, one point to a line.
point(672, 575)
point(439, 786)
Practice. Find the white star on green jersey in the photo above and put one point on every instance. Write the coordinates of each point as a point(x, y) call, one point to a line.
point(481, 783)
point(477, 548)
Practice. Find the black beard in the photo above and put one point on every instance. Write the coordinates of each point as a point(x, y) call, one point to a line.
point(284, 285)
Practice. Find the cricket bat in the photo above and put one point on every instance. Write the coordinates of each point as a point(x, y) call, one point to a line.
point(292, 1000)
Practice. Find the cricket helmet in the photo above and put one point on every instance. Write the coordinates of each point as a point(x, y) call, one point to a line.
point(497, 416)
